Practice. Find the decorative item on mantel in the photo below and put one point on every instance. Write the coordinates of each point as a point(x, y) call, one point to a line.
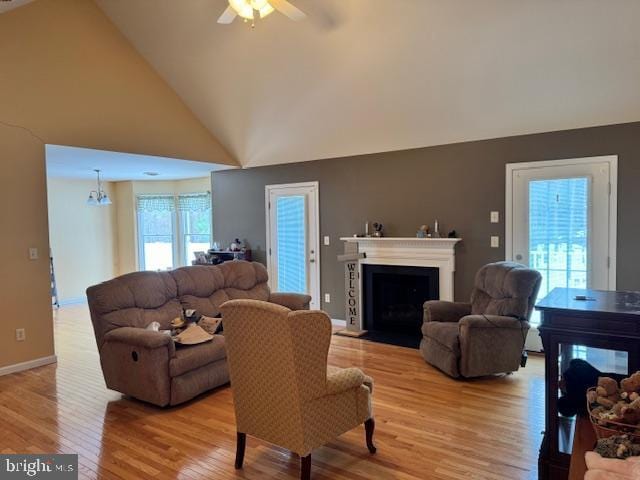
point(423, 232)
point(436, 230)
point(378, 230)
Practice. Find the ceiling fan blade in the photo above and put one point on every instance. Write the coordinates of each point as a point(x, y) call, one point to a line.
point(284, 7)
point(227, 16)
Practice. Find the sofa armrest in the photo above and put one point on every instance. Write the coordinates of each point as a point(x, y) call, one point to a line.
point(141, 337)
point(441, 311)
point(293, 301)
point(344, 379)
point(492, 321)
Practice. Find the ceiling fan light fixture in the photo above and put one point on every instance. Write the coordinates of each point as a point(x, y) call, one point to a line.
point(246, 8)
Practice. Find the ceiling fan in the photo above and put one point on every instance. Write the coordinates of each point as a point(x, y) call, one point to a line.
point(252, 9)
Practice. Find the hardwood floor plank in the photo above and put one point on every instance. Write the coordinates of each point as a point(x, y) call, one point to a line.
point(428, 426)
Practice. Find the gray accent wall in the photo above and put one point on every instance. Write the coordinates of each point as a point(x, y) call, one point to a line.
point(459, 184)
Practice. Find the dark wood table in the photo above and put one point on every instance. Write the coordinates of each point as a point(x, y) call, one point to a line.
point(607, 321)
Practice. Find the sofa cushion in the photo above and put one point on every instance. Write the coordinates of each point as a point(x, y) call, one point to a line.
point(243, 275)
point(189, 358)
point(446, 334)
point(205, 287)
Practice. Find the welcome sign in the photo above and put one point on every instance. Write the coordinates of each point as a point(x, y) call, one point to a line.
point(352, 287)
point(351, 275)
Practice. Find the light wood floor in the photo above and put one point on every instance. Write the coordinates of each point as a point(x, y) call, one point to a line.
point(428, 426)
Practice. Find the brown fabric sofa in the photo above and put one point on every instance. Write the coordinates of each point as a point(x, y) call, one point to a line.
point(146, 364)
point(487, 335)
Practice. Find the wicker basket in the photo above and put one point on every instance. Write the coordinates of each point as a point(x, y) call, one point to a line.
point(608, 428)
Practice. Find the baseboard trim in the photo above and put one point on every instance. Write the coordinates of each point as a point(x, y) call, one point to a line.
point(19, 367)
point(338, 323)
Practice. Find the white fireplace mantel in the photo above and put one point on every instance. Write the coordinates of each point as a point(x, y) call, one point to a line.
point(406, 251)
point(412, 251)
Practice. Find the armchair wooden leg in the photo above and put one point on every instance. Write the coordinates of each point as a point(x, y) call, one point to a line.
point(305, 467)
point(369, 427)
point(241, 443)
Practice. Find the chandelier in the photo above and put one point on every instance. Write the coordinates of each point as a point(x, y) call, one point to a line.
point(99, 196)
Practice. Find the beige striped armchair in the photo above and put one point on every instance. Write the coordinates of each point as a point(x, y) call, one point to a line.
point(283, 391)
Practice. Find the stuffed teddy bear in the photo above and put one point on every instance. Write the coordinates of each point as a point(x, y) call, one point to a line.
point(607, 392)
point(631, 384)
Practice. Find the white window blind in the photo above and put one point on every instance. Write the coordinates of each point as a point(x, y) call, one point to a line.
point(155, 203)
point(292, 272)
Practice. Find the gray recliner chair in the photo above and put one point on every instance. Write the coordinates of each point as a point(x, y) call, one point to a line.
point(487, 335)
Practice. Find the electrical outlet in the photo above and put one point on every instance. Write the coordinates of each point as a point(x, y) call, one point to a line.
point(327, 241)
point(21, 336)
point(495, 217)
point(495, 242)
point(33, 253)
point(327, 298)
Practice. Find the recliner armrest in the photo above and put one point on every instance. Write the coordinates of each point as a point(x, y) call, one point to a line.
point(141, 337)
point(441, 311)
point(293, 301)
point(493, 321)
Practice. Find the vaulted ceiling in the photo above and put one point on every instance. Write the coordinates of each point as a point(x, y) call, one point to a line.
point(363, 76)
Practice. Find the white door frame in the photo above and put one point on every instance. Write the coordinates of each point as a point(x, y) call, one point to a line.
point(612, 160)
point(315, 194)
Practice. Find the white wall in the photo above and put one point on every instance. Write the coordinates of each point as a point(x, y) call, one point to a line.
point(82, 237)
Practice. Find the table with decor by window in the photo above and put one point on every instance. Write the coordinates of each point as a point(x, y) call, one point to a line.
point(600, 327)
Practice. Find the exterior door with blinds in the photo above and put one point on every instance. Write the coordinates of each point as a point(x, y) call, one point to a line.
point(561, 222)
point(293, 256)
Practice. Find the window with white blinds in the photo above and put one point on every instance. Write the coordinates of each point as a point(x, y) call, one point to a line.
point(171, 228)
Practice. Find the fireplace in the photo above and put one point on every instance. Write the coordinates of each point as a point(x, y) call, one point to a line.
point(392, 298)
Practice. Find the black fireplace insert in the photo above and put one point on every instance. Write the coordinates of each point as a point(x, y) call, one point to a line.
point(392, 301)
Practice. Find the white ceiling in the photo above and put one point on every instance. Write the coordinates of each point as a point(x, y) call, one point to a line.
point(79, 163)
point(363, 76)
point(10, 5)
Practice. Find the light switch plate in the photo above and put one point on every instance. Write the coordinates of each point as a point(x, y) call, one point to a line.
point(21, 335)
point(495, 242)
point(327, 298)
point(327, 240)
point(495, 217)
point(33, 253)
